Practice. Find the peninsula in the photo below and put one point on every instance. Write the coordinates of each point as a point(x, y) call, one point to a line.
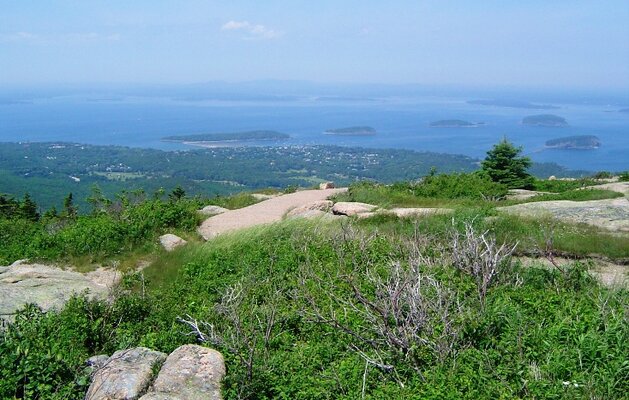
point(227, 137)
point(584, 142)
point(547, 120)
point(351, 131)
point(455, 123)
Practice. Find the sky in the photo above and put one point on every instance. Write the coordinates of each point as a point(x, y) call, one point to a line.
point(529, 43)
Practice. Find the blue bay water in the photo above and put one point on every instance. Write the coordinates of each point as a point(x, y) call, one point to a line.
point(401, 123)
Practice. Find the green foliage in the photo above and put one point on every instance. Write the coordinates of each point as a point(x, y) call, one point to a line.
point(578, 195)
point(504, 164)
point(623, 176)
point(541, 334)
point(432, 190)
point(105, 234)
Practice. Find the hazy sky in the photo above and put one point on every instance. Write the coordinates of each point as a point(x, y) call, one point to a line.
point(473, 42)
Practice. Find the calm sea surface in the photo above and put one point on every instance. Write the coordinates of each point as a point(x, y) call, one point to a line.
point(401, 123)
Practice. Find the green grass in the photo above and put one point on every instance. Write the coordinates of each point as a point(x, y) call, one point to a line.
point(389, 196)
point(578, 240)
point(572, 195)
point(232, 202)
point(561, 185)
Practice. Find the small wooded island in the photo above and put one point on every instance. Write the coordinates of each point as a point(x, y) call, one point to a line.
point(455, 123)
point(227, 137)
point(351, 131)
point(548, 120)
point(584, 142)
point(512, 104)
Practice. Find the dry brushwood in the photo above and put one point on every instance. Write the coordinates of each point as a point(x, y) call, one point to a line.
point(401, 310)
point(478, 255)
point(246, 331)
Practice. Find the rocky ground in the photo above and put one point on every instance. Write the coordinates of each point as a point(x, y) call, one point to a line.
point(609, 214)
point(49, 286)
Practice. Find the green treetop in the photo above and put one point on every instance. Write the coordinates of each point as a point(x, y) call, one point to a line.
point(504, 165)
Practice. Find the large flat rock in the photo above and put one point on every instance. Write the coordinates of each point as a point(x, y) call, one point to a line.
point(49, 286)
point(610, 214)
point(352, 208)
point(265, 212)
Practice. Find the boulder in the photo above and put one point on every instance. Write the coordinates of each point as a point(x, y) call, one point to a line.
point(49, 286)
point(170, 242)
point(212, 210)
point(127, 374)
point(350, 208)
point(190, 372)
point(552, 178)
point(326, 185)
point(97, 362)
point(321, 205)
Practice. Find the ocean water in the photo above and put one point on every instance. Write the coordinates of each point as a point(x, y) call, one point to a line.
point(401, 123)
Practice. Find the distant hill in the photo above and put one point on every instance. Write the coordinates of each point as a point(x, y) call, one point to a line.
point(455, 123)
point(549, 120)
point(351, 131)
point(584, 142)
point(513, 104)
point(225, 137)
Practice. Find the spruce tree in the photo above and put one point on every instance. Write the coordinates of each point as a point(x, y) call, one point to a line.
point(69, 209)
point(28, 208)
point(177, 194)
point(504, 164)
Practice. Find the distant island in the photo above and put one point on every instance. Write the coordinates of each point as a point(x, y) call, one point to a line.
point(584, 142)
point(513, 104)
point(624, 110)
point(351, 131)
point(343, 98)
point(455, 123)
point(549, 120)
point(227, 137)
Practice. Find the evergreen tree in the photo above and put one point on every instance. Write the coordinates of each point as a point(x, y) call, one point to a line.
point(50, 214)
point(69, 209)
point(504, 164)
point(8, 206)
point(28, 209)
point(177, 194)
point(98, 200)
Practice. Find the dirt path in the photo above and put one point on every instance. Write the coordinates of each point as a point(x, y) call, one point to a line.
point(265, 212)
